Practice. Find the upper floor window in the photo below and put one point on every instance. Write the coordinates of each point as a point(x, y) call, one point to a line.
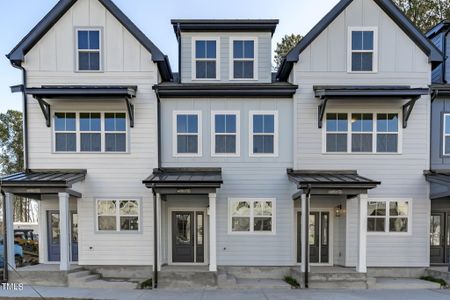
point(263, 134)
point(362, 53)
point(188, 134)
point(388, 216)
point(446, 139)
point(90, 132)
point(362, 132)
point(115, 132)
point(225, 134)
point(65, 132)
point(88, 49)
point(205, 59)
point(243, 63)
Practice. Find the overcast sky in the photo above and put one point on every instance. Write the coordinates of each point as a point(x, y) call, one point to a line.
point(153, 18)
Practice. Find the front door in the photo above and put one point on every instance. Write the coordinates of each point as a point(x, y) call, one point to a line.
point(53, 235)
point(188, 237)
point(319, 228)
point(439, 237)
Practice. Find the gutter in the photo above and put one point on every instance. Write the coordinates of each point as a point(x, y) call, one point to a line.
point(179, 51)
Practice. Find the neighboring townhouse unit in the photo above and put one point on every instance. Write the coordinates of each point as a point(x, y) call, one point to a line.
point(439, 174)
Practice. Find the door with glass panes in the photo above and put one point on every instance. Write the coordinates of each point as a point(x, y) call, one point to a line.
point(188, 237)
point(319, 237)
point(439, 237)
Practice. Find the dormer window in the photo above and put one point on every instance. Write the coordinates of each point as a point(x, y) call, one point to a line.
point(205, 59)
point(243, 62)
point(88, 50)
point(362, 54)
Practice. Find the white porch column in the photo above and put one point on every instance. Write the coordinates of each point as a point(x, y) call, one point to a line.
point(158, 219)
point(212, 233)
point(302, 234)
point(9, 222)
point(64, 231)
point(361, 266)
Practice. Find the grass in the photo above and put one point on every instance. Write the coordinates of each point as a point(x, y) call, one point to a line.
point(292, 281)
point(146, 285)
point(442, 282)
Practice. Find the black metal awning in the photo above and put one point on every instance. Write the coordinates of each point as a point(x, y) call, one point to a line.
point(34, 183)
point(79, 92)
point(438, 90)
point(326, 182)
point(185, 180)
point(442, 179)
point(333, 92)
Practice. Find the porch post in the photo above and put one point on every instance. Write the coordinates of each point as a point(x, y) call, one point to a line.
point(158, 217)
point(212, 233)
point(302, 235)
point(9, 222)
point(64, 235)
point(361, 266)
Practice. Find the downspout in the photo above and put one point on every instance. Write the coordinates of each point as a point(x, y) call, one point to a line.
point(306, 233)
point(179, 51)
point(444, 73)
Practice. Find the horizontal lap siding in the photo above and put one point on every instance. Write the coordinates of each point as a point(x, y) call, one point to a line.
point(126, 62)
point(401, 62)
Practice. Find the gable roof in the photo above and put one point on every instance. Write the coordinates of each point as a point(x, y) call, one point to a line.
point(389, 7)
point(17, 54)
point(438, 28)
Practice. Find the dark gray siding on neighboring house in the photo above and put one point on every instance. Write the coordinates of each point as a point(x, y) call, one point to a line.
point(436, 75)
point(447, 63)
point(438, 160)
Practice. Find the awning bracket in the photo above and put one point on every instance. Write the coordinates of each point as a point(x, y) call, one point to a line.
point(45, 107)
point(130, 108)
point(321, 110)
point(407, 110)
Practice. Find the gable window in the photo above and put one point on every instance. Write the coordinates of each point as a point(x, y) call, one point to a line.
point(263, 134)
point(225, 134)
point(251, 215)
point(205, 62)
point(90, 132)
point(388, 216)
point(243, 59)
point(362, 50)
point(118, 215)
point(188, 134)
point(362, 133)
point(446, 139)
point(88, 49)
point(115, 132)
point(65, 132)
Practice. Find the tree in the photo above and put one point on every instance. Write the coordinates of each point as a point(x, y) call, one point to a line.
point(287, 43)
point(425, 13)
point(11, 142)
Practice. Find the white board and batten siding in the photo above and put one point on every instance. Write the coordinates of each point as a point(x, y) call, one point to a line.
point(125, 62)
point(400, 62)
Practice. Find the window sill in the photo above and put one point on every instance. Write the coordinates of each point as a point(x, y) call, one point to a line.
point(187, 155)
point(76, 152)
point(205, 79)
point(231, 155)
point(362, 153)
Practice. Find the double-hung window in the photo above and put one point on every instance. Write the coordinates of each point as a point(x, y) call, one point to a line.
point(187, 136)
point(205, 59)
point(336, 132)
point(90, 132)
point(362, 53)
point(65, 132)
point(243, 59)
point(263, 133)
point(118, 215)
point(251, 215)
point(225, 137)
point(115, 132)
point(88, 49)
point(362, 132)
point(387, 132)
point(446, 136)
point(388, 216)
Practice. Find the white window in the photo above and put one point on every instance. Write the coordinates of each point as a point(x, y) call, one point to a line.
point(225, 133)
point(118, 215)
point(446, 138)
point(88, 54)
point(187, 134)
point(251, 215)
point(205, 59)
point(90, 132)
point(264, 133)
point(362, 49)
point(362, 133)
point(391, 216)
point(243, 59)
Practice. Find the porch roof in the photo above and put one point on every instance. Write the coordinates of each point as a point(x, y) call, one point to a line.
point(63, 91)
point(441, 177)
point(34, 183)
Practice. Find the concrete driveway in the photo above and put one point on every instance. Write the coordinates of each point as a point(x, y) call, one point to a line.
point(280, 294)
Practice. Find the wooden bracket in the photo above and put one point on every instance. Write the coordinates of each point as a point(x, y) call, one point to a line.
point(45, 107)
point(321, 110)
point(407, 110)
point(130, 108)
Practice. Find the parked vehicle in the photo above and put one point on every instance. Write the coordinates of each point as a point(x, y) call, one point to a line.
point(18, 254)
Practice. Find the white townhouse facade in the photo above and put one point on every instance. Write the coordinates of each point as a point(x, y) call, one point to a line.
point(210, 172)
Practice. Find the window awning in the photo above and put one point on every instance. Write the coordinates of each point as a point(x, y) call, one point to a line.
point(327, 182)
point(442, 179)
point(78, 92)
point(374, 92)
point(185, 180)
point(34, 183)
point(438, 90)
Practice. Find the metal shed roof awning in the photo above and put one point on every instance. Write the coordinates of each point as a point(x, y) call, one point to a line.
point(79, 92)
point(34, 183)
point(442, 178)
point(185, 180)
point(327, 182)
point(374, 92)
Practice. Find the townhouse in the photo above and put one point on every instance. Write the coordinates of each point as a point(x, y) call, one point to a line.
point(223, 170)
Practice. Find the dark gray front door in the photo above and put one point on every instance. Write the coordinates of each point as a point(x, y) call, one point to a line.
point(53, 236)
point(439, 237)
point(319, 228)
point(183, 236)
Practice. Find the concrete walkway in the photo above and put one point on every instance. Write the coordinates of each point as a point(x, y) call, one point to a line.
point(52, 292)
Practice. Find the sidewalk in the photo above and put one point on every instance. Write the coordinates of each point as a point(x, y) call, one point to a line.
point(218, 294)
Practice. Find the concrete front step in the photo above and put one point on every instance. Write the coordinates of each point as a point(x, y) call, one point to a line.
point(404, 284)
point(340, 279)
point(86, 279)
point(186, 279)
point(261, 284)
point(338, 285)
